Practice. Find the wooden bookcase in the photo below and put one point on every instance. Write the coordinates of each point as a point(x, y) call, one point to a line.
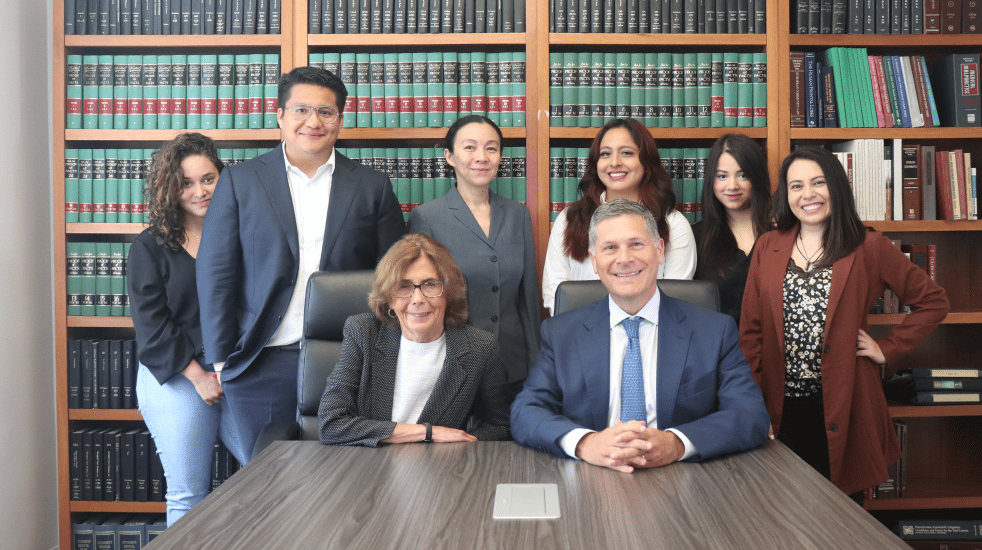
point(945, 472)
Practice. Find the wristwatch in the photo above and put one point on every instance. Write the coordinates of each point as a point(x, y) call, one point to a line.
point(429, 433)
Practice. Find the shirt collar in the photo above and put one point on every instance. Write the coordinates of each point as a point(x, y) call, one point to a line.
point(327, 166)
point(649, 312)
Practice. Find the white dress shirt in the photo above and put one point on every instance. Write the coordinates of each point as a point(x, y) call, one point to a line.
point(417, 369)
point(648, 337)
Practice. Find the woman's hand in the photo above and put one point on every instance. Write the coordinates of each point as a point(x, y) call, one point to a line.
point(414, 433)
point(866, 346)
point(442, 434)
point(205, 383)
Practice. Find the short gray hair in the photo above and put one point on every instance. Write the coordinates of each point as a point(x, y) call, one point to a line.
point(622, 207)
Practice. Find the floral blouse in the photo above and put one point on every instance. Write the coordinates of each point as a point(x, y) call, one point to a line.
point(806, 301)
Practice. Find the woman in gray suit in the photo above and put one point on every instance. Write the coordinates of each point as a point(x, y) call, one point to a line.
point(411, 370)
point(490, 237)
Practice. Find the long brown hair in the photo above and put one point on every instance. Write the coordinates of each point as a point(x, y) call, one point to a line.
point(655, 190)
point(165, 184)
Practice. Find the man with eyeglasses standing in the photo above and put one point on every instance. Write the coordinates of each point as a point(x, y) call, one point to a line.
point(273, 221)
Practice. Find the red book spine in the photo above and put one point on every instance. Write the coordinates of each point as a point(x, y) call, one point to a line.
point(884, 95)
point(951, 16)
point(922, 99)
point(877, 103)
point(944, 184)
point(932, 16)
point(960, 187)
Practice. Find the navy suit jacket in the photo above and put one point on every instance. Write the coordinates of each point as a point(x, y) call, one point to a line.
point(249, 255)
point(704, 386)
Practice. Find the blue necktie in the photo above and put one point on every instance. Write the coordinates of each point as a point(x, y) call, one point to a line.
point(632, 378)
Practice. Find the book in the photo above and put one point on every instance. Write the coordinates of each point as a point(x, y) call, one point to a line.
point(912, 186)
point(941, 384)
point(945, 398)
point(932, 372)
point(799, 104)
point(957, 89)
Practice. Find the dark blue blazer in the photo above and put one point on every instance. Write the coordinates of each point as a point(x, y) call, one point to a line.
point(704, 386)
point(248, 259)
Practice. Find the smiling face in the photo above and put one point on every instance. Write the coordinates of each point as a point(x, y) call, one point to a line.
point(420, 318)
point(619, 165)
point(309, 141)
point(476, 155)
point(200, 177)
point(808, 194)
point(731, 186)
point(627, 258)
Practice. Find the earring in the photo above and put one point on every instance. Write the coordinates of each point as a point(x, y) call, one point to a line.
point(392, 313)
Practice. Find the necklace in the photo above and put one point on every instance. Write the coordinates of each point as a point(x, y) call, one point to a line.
point(798, 244)
point(193, 233)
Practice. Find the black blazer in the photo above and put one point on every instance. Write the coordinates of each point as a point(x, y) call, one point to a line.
point(470, 394)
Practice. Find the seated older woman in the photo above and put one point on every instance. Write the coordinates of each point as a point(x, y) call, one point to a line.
point(412, 370)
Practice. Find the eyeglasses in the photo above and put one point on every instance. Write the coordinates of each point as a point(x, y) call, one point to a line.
point(300, 113)
point(430, 289)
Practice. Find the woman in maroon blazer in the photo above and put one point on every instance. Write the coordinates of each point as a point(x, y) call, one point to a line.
point(804, 328)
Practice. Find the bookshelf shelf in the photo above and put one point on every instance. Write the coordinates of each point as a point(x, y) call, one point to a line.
point(953, 318)
point(923, 503)
point(104, 228)
point(932, 411)
point(118, 507)
point(663, 133)
point(643, 41)
point(886, 40)
point(165, 135)
point(431, 135)
point(460, 41)
point(925, 226)
point(105, 414)
point(884, 133)
point(100, 322)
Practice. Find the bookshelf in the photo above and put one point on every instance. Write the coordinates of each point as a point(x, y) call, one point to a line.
point(955, 341)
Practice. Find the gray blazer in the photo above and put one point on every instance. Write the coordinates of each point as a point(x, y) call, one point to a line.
point(502, 286)
point(470, 393)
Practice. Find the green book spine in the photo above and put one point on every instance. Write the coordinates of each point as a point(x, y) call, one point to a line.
point(610, 85)
point(759, 78)
point(314, 60)
point(581, 161)
point(419, 90)
point(256, 105)
point(622, 84)
point(348, 76)
point(678, 90)
point(194, 93)
point(88, 278)
point(716, 91)
point(503, 181)
point(450, 88)
point(570, 181)
point(427, 167)
point(556, 174)
point(664, 97)
point(117, 279)
point(209, 92)
point(637, 86)
point(390, 72)
point(569, 94)
point(690, 81)
point(865, 79)
point(123, 171)
point(493, 69)
point(479, 84)
point(98, 185)
point(689, 185)
point(704, 78)
point(556, 89)
point(519, 173)
point(150, 92)
point(226, 92)
point(103, 294)
point(138, 169)
point(179, 92)
point(250, 153)
point(165, 103)
point(595, 108)
point(404, 175)
point(90, 92)
point(71, 185)
point(464, 89)
point(434, 89)
point(376, 68)
point(85, 185)
point(271, 79)
point(442, 172)
point(126, 297)
point(650, 90)
point(730, 90)
point(745, 91)
point(843, 86)
point(120, 87)
point(506, 98)
point(105, 91)
point(405, 89)
point(892, 92)
point(518, 90)
point(73, 278)
point(330, 61)
point(240, 91)
point(427, 191)
point(134, 92)
point(363, 87)
point(401, 185)
point(73, 91)
point(112, 186)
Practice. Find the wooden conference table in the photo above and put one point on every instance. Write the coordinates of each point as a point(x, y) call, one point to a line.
point(304, 495)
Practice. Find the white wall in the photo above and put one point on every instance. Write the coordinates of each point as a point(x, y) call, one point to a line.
point(28, 467)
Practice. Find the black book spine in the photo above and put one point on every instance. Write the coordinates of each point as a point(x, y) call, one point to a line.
point(156, 474)
point(458, 16)
point(760, 17)
point(353, 15)
point(115, 374)
point(126, 464)
point(174, 16)
point(208, 17)
point(87, 465)
point(141, 466)
point(262, 17)
point(70, 16)
point(377, 16)
point(249, 16)
point(129, 374)
point(314, 17)
point(328, 13)
point(236, 16)
point(446, 16)
point(216, 465)
point(92, 17)
point(113, 17)
point(109, 465)
point(677, 8)
point(102, 367)
point(74, 374)
point(164, 6)
point(197, 6)
point(519, 15)
point(493, 20)
point(185, 16)
point(98, 469)
point(102, 26)
point(75, 469)
point(87, 388)
point(275, 16)
point(388, 16)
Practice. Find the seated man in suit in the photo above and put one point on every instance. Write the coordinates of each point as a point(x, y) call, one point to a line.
point(678, 388)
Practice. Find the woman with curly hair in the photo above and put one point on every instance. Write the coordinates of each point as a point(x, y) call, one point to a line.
point(179, 394)
point(623, 164)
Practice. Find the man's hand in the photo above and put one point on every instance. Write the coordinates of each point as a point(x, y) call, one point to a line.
point(666, 447)
point(615, 447)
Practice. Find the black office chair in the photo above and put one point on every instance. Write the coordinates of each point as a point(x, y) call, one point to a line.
point(573, 294)
point(332, 297)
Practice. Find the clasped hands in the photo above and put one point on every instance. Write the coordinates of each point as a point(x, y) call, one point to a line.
point(629, 445)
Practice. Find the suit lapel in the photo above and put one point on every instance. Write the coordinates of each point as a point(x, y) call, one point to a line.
point(343, 189)
point(383, 377)
point(673, 346)
point(592, 341)
point(458, 209)
point(840, 274)
point(774, 277)
point(271, 175)
point(440, 405)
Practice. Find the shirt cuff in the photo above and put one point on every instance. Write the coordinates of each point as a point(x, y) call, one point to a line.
point(218, 366)
point(690, 449)
point(572, 438)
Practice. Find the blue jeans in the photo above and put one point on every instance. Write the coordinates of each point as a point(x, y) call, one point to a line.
point(184, 429)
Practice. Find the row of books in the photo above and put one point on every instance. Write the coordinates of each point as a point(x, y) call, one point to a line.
point(947, 386)
point(171, 91)
point(658, 16)
point(106, 185)
point(421, 174)
point(428, 89)
point(96, 279)
point(691, 90)
point(112, 17)
point(924, 256)
point(102, 374)
point(895, 486)
point(888, 17)
point(941, 533)
point(116, 531)
point(414, 16)
point(686, 166)
point(110, 464)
